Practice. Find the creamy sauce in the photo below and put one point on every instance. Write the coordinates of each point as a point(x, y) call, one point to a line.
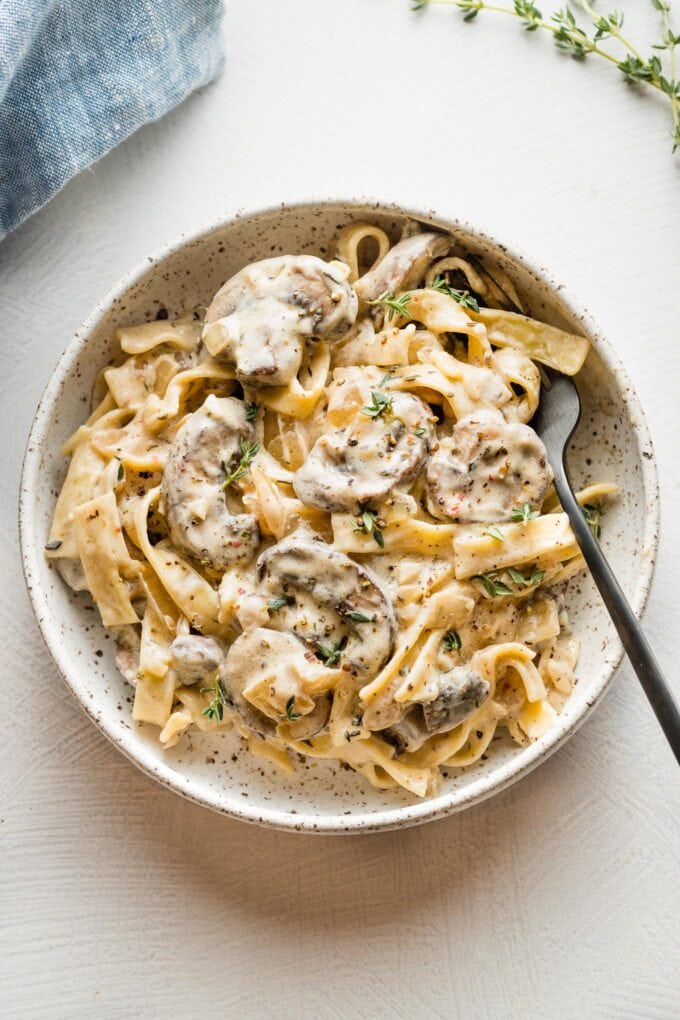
point(260, 319)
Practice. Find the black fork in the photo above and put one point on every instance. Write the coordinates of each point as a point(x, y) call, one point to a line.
point(555, 421)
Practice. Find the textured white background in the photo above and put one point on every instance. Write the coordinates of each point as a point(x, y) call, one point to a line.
point(561, 897)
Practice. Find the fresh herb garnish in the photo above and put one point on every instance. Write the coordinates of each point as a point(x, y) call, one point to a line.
point(571, 38)
point(492, 586)
point(420, 433)
point(215, 709)
point(494, 532)
point(452, 641)
point(463, 297)
point(369, 526)
point(395, 305)
point(251, 411)
point(535, 577)
point(330, 654)
point(380, 404)
point(248, 452)
point(290, 712)
point(387, 377)
point(278, 602)
point(524, 513)
point(121, 472)
point(354, 614)
point(593, 513)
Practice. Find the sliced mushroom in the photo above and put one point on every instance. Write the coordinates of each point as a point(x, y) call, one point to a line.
point(404, 265)
point(335, 604)
point(485, 469)
point(195, 658)
point(199, 519)
point(369, 458)
point(260, 319)
point(461, 692)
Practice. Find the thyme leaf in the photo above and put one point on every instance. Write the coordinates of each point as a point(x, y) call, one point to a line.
point(251, 411)
point(534, 578)
point(278, 602)
point(369, 526)
point(493, 587)
point(358, 617)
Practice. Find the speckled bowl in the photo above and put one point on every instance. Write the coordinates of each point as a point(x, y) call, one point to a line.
point(612, 443)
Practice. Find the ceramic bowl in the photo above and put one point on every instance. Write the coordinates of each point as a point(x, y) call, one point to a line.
point(612, 443)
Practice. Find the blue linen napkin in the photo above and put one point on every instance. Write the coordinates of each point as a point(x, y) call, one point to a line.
point(79, 76)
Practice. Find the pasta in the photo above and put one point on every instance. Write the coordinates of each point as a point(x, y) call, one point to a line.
point(317, 512)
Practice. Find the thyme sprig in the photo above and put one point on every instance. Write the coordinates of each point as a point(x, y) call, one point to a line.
point(369, 525)
point(330, 654)
point(532, 579)
point(573, 39)
point(496, 588)
point(248, 453)
point(380, 404)
point(394, 305)
point(493, 587)
point(215, 709)
point(463, 297)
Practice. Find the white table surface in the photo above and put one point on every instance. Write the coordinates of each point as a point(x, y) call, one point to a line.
point(559, 898)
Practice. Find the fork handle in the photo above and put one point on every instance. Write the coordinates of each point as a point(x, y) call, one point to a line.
point(632, 637)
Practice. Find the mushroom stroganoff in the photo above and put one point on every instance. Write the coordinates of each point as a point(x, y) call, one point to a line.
point(317, 512)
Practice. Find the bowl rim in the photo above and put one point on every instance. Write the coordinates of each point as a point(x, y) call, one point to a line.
point(507, 773)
